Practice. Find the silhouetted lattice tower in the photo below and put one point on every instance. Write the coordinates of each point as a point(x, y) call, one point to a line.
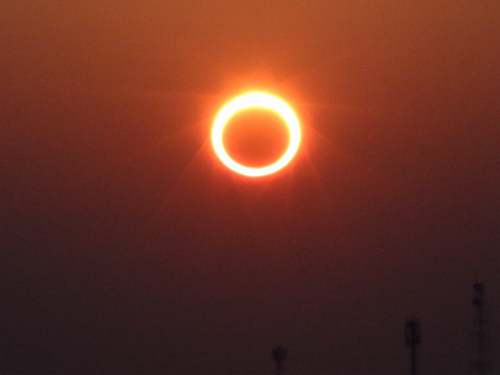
point(480, 361)
point(412, 339)
point(279, 355)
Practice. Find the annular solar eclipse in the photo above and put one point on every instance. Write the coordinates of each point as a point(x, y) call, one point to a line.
point(248, 102)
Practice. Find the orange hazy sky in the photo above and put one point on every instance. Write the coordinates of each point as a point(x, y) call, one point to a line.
point(126, 247)
point(354, 50)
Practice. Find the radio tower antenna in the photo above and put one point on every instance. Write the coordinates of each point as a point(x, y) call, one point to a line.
point(480, 361)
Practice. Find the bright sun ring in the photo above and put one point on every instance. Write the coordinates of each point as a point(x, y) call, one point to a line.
point(249, 101)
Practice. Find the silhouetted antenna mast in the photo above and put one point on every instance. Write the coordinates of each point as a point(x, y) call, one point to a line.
point(412, 339)
point(480, 362)
point(279, 355)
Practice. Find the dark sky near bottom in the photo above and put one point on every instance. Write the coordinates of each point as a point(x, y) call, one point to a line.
point(127, 247)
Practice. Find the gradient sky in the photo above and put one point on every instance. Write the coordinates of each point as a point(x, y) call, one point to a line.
point(126, 247)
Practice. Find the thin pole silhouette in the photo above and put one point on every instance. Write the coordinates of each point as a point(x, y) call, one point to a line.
point(279, 355)
point(412, 339)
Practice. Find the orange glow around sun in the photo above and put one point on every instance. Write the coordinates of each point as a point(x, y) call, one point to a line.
point(259, 106)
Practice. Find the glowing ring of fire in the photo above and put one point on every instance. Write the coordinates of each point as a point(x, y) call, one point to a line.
point(249, 101)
